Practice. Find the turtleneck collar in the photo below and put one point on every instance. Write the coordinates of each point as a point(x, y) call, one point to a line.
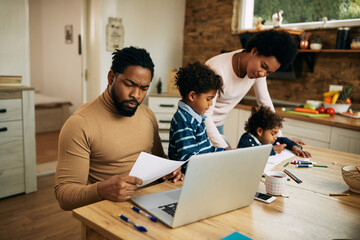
point(108, 101)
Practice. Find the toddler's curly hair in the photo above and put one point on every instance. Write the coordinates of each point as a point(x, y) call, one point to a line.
point(199, 78)
point(264, 118)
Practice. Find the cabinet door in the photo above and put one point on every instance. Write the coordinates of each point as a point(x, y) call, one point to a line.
point(10, 109)
point(163, 104)
point(164, 120)
point(231, 127)
point(12, 181)
point(11, 145)
point(311, 133)
point(345, 140)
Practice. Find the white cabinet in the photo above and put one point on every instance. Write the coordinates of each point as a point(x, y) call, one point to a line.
point(345, 140)
point(314, 134)
point(17, 141)
point(164, 106)
point(234, 125)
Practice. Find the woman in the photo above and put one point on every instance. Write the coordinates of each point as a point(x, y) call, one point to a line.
point(242, 69)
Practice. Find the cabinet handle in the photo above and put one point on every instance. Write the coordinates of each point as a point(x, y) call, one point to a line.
point(167, 105)
point(4, 129)
point(165, 141)
point(3, 110)
point(164, 121)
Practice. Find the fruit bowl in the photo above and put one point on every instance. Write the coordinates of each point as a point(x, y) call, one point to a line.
point(315, 103)
point(339, 108)
point(352, 178)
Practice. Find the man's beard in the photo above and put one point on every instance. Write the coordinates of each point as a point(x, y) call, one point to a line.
point(121, 108)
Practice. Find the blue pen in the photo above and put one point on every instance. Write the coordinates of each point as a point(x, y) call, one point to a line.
point(139, 211)
point(138, 227)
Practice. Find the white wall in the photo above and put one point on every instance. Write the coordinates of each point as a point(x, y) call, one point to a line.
point(56, 66)
point(156, 25)
point(14, 39)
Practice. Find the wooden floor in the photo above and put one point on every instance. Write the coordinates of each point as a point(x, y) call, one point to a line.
point(46, 147)
point(37, 216)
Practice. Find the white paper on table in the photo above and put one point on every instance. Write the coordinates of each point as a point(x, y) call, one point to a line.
point(276, 159)
point(149, 167)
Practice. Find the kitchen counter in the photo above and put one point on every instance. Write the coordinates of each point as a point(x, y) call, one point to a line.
point(336, 120)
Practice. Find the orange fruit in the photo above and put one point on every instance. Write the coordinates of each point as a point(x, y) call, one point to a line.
point(327, 99)
point(348, 101)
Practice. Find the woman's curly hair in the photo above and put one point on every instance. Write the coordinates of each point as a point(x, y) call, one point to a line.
point(199, 78)
point(264, 118)
point(277, 43)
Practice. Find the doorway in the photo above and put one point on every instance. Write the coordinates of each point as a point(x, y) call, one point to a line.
point(56, 63)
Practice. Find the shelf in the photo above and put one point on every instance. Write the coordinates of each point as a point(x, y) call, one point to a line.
point(331, 50)
point(309, 55)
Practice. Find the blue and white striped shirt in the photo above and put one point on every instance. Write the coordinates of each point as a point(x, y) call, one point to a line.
point(188, 134)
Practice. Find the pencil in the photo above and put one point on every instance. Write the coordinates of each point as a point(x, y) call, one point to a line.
point(286, 164)
point(292, 176)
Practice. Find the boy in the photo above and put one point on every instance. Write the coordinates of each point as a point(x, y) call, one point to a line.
point(198, 85)
point(262, 128)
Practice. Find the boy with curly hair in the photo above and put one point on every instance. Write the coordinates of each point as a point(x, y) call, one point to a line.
point(198, 85)
point(262, 128)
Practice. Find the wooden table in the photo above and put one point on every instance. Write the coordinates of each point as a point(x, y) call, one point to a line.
point(309, 212)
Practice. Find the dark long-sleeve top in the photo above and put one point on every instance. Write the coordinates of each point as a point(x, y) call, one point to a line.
point(249, 140)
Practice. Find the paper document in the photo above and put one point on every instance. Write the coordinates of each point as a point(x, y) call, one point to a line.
point(149, 167)
point(276, 159)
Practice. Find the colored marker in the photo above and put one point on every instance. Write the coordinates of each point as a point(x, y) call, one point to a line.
point(315, 165)
point(296, 179)
point(139, 211)
point(286, 164)
point(138, 227)
point(303, 163)
point(304, 166)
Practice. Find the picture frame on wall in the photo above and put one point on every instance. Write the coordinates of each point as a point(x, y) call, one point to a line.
point(68, 34)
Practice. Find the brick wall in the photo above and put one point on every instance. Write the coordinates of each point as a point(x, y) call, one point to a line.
point(208, 31)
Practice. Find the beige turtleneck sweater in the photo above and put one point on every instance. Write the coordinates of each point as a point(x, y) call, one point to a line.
point(96, 143)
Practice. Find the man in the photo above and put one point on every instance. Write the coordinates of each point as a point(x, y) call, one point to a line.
point(101, 141)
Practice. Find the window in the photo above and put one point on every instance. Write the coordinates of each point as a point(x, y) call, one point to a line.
point(297, 14)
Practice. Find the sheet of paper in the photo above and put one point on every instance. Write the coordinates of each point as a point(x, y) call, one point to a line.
point(149, 167)
point(276, 159)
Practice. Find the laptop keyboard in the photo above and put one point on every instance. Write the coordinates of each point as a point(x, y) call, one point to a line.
point(169, 208)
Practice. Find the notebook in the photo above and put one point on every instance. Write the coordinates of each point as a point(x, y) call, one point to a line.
point(215, 183)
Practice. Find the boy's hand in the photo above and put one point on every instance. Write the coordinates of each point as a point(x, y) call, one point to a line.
point(299, 152)
point(279, 148)
point(175, 176)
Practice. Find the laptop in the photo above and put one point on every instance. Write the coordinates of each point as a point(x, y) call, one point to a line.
point(215, 183)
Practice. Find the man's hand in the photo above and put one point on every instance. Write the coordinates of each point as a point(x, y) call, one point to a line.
point(174, 176)
point(299, 152)
point(118, 188)
point(279, 148)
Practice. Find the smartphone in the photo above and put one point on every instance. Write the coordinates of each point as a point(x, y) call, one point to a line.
point(264, 197)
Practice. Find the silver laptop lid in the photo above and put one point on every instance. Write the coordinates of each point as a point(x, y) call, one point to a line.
point(219, 182)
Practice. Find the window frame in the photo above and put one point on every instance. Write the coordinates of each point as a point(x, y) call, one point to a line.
point(244, 15)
